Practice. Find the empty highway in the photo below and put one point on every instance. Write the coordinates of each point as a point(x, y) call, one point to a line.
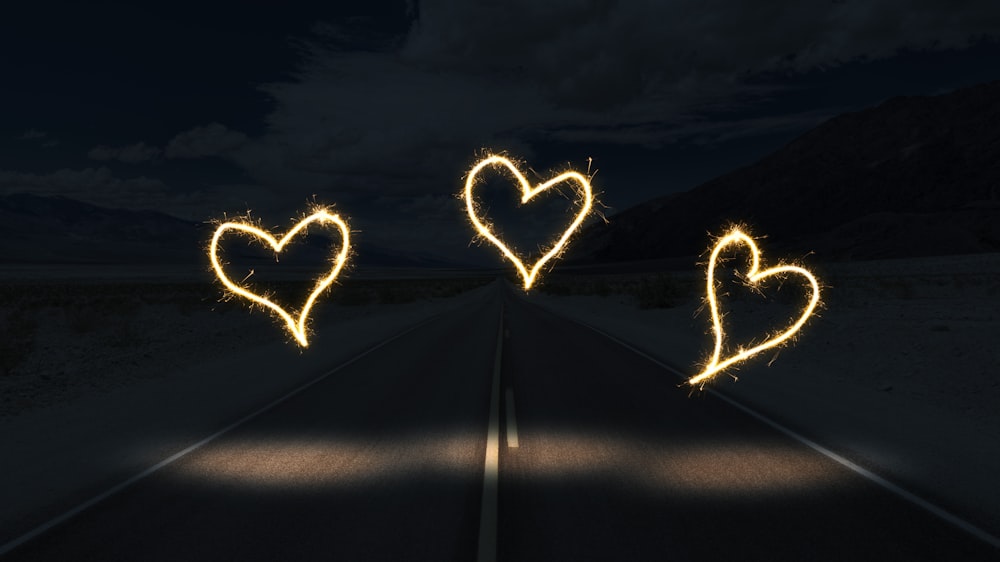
point(600, 455)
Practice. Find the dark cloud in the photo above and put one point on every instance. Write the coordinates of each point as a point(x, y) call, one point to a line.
point(36, 136)
point(95, 185)
point(599, 54)
point(694, 129)
point(213, 139)
point(131, 154)
point(101, 186)
point(33, 134)
point(403, 117)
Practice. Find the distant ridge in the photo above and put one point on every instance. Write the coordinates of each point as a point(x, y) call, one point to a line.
point(914, 176)
point(53, 229)
point(37, 229)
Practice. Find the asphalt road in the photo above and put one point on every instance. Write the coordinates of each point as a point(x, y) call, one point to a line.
point(616, 462)
point(384, 460)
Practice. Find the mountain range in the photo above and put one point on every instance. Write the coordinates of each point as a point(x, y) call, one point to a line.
point(914, 176)
point(37, 229)
point(52, 229)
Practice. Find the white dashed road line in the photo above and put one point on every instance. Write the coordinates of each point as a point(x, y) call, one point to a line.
point(488, 514)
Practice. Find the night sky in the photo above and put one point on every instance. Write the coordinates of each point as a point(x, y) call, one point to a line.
point(381, 107)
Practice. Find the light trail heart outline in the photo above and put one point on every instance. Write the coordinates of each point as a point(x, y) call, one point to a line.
point(296, 326)
point(754, 277)
point(527, 193)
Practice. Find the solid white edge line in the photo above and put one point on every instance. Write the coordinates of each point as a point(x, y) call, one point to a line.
point(44, 527)
point(940, 512)
point(511, 421)
point(491, 467)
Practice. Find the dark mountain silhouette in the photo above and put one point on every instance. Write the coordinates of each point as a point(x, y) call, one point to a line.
point(316, 247)
point(38, 229)
point(914, 176)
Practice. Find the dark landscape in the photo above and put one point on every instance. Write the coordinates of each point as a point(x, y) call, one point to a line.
point(430, 407)
point(914, 176)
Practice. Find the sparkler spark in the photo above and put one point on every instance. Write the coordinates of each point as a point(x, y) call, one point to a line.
point(296, 326)
point(527, 193)
point(753, 278)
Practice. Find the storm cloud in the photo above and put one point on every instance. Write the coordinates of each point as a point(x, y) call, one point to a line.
point(403, 115)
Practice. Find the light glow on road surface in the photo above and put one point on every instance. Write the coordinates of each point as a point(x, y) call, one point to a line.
point(721, 469)
point(322, 216)
point(527, 193)
point(297, 462)
point(753, 278)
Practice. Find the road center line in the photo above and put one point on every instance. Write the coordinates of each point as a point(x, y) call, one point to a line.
point(66, 516)
point(887, 485)
point(491, 469)
point(511, 420)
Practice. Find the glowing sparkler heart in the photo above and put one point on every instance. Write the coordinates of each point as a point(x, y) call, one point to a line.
point(754, 277)
point(296, 326)
point(527, 193)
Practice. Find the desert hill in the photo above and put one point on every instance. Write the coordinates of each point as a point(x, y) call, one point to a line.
point(913, 176)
